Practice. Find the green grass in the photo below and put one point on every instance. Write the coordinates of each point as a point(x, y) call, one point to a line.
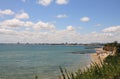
point(109, 69)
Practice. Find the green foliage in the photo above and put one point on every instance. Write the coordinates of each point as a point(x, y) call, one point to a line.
point(110, 46)
point(108, 69)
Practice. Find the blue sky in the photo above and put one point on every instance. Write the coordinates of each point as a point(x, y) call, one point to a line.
point(83, 18)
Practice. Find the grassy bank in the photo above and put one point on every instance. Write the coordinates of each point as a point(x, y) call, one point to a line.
point(108, 69)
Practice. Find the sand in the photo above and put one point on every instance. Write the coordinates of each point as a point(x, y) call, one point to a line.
point(98, 58)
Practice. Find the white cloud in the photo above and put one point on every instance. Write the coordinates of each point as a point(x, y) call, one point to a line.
point(28, 23)
point(70, 28)
point(17, 29)
point(60, 2)
point(18, 23)
point(85, 19)
point(8, 32)
point(23, 0)
point(112, 29)
point(11, 23)
point(62, 16)
point(98, 37)
point(44, 2)
point(6, 12)
point(22, 15)
point(27, 29)
point(48, 2)
point(58, 36)
point(43, 26)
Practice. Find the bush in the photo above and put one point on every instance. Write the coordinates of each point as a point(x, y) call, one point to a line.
point(110, 68)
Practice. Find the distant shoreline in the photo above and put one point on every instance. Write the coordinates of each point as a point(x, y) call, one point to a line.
point(86, 44)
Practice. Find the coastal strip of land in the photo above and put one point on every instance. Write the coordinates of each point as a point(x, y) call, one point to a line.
point(99, 55)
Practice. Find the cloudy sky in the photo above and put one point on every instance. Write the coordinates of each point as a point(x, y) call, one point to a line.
point(59, 21)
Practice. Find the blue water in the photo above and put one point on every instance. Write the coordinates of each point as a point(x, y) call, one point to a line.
point(19, 61)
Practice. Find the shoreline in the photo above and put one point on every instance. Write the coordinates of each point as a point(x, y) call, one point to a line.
point(97, 58)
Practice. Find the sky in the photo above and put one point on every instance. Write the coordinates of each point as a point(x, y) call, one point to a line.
point(59, 21)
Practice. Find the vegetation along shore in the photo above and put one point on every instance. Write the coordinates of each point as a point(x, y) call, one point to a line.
point(105, 65)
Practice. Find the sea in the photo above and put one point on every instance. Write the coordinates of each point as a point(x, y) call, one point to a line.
point(26, 61)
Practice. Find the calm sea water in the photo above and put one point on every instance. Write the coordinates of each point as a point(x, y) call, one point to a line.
point(26, 61)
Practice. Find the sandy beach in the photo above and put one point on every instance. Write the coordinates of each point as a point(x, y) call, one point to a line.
point(97, 58)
